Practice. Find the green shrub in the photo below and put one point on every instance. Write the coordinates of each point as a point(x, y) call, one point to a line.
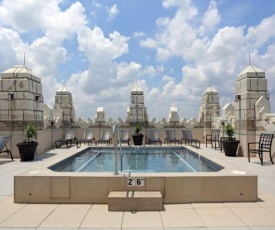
point(30, 132)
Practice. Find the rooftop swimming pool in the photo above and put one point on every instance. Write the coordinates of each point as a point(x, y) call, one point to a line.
point(133, 159)
point(177, 173)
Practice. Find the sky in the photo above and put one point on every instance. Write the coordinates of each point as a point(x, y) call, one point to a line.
point(173, 49)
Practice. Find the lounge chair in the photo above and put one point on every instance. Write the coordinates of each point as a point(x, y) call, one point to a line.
point(264, 146)
point(3, 143)
point(88, 138)
point(187, 138)
point(68, 140)
point(105, 137)
point(124, 137)
point(213, 138)
point(154, 137)
point(171, 137)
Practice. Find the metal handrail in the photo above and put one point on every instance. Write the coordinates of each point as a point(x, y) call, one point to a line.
point(116, 134)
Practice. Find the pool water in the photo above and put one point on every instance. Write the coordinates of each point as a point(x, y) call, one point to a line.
point(137, 160)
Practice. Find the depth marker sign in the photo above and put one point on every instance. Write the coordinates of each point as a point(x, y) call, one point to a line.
point(132, 181)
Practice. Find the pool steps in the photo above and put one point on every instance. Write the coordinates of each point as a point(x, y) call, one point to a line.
point(135, 201)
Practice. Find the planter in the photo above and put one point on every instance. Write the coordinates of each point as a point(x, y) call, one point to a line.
point(27, 150)
point(137, 138)
point(230, 147)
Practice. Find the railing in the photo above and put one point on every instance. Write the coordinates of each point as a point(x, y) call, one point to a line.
point(116, 134)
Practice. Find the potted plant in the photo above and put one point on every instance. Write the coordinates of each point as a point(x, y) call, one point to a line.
point(230, 144)
point(27, 148)
point(137, 137)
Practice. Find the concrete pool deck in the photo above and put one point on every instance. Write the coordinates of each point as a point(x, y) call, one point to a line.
point(258, 215)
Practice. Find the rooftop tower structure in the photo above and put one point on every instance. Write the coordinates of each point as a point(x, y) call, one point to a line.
point(138, 111)
point(64, 100)
point(210, 104)
point(21, 99)
point(251, 88)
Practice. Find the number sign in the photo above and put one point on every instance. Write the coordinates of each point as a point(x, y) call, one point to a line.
point(132, 181)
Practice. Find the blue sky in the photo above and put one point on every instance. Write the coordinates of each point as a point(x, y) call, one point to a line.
point(175, 49)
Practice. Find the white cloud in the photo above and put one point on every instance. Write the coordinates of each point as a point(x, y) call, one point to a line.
point(101, 51)
point(96, 4)
point(149, 43)
point(63, 25)
point(258, 35)
point(138, 34)
point(154, 93)
point(11, 48)
point(112, 12)
point(24, 16)
point(195, 51)
point(177, 33)
point(170, 3)
point(46, 55)
point(126, 73)
point(160, 69)
point(167, 78)
point(228, 40)
point(163, 21)
point(186, 6)
point(99, 48)
point(150, 71)
point(211, 16)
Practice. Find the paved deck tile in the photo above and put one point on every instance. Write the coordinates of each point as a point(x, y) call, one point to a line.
point(74, 214)
point(219, 217)
point(142, 220)
point(254, 216)
point(176, 218)
point(29, 216)
point(98, 218)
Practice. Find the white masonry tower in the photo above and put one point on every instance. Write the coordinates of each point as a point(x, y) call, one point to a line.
point(138, 112)
point(64, 100)
point(21, 99)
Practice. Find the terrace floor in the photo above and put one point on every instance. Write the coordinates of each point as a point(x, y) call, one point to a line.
point(258, 215)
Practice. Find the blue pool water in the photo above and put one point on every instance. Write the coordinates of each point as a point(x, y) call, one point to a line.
point(137, 160)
